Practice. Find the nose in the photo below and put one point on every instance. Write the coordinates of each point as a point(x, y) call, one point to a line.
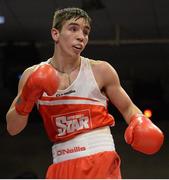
point(80, 36)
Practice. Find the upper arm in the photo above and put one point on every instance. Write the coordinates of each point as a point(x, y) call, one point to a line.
point(115, 92)
point(113, 88)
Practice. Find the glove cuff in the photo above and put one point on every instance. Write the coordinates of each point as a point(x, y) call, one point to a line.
point(137, 116)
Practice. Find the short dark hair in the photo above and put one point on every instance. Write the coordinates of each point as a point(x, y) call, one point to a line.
point(65, 14)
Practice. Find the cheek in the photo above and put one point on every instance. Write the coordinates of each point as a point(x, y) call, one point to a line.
point(65, 40)
point(86, 40)
point(68, 38)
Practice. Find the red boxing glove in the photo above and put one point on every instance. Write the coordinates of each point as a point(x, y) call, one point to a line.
point(143, 135)
point(44, 79)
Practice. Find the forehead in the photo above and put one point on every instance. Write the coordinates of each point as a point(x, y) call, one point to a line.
point(77, 21)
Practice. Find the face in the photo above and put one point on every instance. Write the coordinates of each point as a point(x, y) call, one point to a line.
point(73, 36)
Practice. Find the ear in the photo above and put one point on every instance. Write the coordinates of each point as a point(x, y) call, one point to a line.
point(55, 34)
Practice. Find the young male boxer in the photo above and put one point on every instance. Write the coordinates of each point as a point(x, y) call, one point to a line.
point(71, 93)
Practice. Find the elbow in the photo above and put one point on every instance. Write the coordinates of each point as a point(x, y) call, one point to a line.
point(8, 126)
point(12, 131)
point(13, 127)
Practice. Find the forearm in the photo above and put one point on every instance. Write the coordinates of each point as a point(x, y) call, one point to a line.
point(122, 102)
point(15, 122)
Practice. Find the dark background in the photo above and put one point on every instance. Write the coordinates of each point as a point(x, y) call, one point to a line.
point(132, 35)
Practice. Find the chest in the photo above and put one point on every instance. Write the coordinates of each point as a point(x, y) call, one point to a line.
point(66, 79)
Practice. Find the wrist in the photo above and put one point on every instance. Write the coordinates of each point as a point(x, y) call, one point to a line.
point(136, 115)
point(139, 117)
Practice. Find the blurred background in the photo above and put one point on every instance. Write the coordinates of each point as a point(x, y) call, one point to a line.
point(132, 35)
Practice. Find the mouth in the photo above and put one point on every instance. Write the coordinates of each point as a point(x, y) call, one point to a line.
point(78, 47)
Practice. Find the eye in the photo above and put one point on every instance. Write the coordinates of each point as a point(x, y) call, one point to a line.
point(86, 32)
point(73, 28)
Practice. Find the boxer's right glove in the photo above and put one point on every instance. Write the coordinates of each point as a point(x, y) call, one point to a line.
point(44, 79)
point(143, 135)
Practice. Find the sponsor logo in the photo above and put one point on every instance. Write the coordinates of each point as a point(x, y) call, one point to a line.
point(66, 93)
point(70, 150)
point(69, 123)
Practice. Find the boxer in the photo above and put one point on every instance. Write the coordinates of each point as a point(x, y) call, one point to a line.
point(71, 94)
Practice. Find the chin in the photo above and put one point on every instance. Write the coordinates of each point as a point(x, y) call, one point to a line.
point(76, 54)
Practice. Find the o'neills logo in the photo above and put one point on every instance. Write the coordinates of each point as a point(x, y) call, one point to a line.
point(70, 150)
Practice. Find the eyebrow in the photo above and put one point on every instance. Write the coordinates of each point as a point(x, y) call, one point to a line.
point(76, 24)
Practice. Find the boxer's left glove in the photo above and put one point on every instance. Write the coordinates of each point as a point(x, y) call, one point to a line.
point(44, 79)
point(143, 135)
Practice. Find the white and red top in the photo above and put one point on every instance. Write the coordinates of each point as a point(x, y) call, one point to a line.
point(78, 109)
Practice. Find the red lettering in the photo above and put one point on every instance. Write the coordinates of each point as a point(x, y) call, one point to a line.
point(70, 150)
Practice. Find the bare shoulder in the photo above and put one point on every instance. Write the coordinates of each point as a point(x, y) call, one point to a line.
point(28, 71)
point(25, 76)
point(102, 66)
point(104, 72)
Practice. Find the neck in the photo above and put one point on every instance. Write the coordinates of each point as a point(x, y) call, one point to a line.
point(65, 65)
